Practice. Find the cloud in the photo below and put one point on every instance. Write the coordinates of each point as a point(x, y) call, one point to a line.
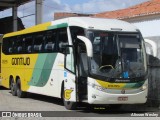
point(94, 6)
point(51, 6)
point(26, 13)
point(90, 6)
point(84, 6)
point(26, 9)
point(6, 13)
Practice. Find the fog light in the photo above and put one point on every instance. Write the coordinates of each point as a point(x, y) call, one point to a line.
point(144, 87)
point(93, 96)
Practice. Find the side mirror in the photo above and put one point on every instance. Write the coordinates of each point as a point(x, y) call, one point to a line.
point(88, 44)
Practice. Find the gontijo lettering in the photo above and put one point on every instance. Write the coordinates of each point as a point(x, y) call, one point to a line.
point(21, 61)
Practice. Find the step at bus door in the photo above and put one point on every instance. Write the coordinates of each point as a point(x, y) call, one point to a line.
point(70, 75)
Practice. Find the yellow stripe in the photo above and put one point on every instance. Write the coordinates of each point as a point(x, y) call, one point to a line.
point(109, 85)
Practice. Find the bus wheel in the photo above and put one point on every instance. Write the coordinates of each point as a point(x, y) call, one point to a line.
point(20, 93)
point(69, 105)
point(13, 88)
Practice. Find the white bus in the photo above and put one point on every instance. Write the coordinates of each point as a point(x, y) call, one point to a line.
point(79, 59)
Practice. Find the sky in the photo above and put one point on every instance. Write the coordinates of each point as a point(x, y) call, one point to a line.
point(76, 6)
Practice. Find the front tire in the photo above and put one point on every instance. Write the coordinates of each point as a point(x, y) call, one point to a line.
point(68, 104)
point(13, 88)
point(20, 93)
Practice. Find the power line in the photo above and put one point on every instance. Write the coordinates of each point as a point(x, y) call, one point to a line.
point(27, 15)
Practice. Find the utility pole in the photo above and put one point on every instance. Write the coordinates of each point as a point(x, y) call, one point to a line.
point(14, 14)
point(38, 11)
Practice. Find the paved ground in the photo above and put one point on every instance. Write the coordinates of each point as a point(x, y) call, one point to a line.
point(54, 107)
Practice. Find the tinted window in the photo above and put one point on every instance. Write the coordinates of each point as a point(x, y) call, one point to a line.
point(75, 31)
point(8, 45)
point(50, 41)
point(62, 39)
point(40, 42)
point(19, 45)
point(28, 43)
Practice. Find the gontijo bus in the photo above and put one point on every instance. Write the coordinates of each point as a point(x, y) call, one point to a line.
point(79, 59)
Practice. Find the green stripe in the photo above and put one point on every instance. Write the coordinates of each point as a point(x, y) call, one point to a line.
point(42, 69)
point(58, 26)
point(134, 85)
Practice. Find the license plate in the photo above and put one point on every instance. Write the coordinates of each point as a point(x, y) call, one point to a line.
point(122, 98)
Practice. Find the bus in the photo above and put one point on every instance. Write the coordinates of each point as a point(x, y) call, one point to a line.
point(1, 36)
point(79, 59)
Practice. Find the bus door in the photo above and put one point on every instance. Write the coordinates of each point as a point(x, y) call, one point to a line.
point(82, 70)
point(70, 75)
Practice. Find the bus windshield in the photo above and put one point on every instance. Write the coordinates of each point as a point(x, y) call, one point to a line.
point(117, 55)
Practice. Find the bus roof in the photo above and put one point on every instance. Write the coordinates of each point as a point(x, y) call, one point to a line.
point(98, 23)
point(85, 22)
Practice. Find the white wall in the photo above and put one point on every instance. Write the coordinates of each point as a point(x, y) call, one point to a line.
point(149, 28)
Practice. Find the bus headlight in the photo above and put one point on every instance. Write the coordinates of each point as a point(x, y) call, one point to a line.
point(97, 87)
point(144, 87)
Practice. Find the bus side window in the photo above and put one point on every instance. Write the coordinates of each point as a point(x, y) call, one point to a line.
point(50, 41)
point(19, 45)
point(76, 31)
point(7, 46)
point(38, 46)
point(62, 39)
point(12, 48)
point(28, 41)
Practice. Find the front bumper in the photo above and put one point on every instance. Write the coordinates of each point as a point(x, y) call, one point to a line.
point(99, 97)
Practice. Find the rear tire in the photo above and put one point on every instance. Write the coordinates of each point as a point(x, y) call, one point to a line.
point(13, 88)
point(20, 93)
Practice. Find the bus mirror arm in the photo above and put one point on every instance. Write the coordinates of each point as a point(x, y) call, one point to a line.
point(66, 51)
point(88, 44)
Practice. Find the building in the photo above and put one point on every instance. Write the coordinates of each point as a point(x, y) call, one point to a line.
point(59, 15)
point(7, 25)
point(146, 16)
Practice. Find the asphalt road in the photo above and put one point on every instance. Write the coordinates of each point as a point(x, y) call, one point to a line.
point(49, 106)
